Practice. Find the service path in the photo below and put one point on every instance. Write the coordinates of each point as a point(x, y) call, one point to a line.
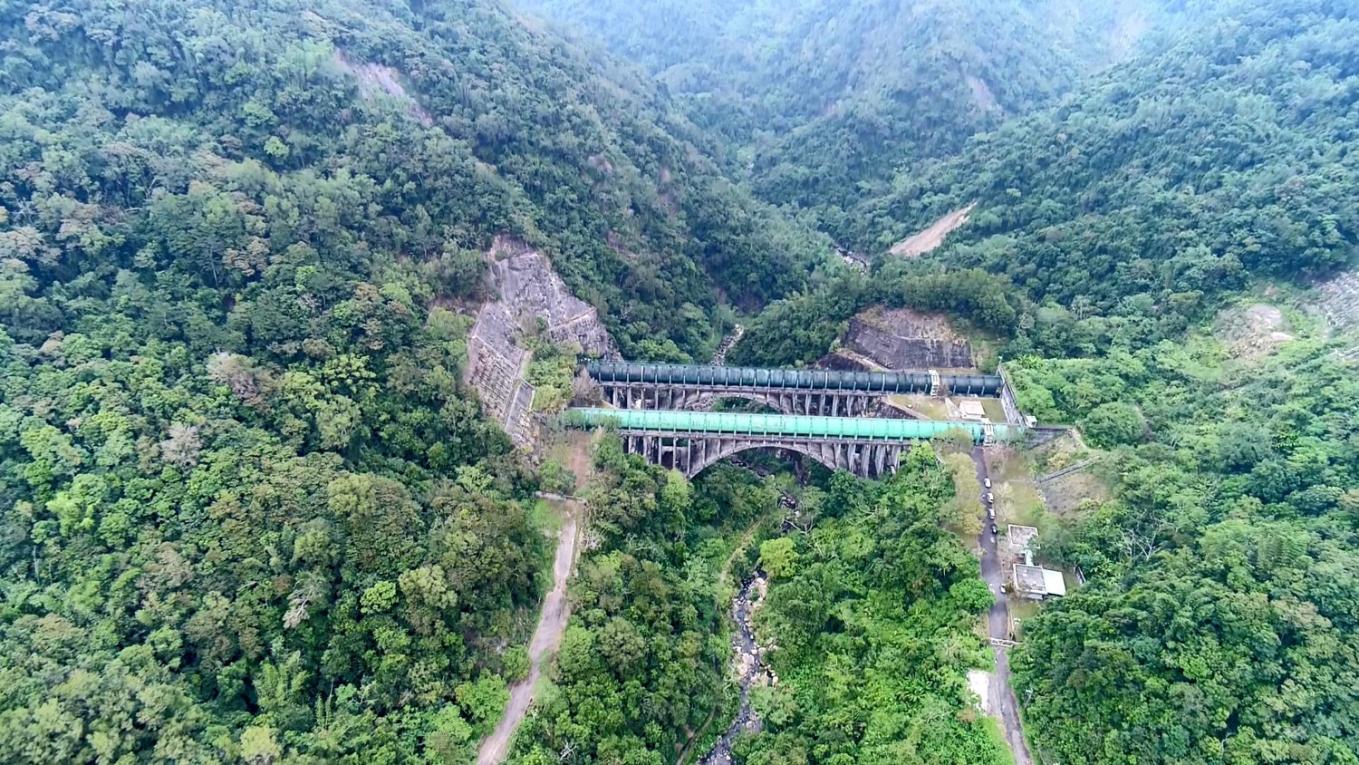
point(1001, 703)
point(547, 636)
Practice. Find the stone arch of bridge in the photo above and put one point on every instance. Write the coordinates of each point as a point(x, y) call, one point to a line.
point(712, 458)
point(704, 401)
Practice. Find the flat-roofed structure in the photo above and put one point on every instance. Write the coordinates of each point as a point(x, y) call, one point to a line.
point(1036, 582)
point(1054, 582)
point(1029, 581)
point(972, 410)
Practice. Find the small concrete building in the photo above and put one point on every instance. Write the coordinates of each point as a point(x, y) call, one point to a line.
point(1036, 582)
point(1029, 582)
point(971, 409)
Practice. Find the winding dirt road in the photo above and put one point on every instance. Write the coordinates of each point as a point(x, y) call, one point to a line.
point(547, 636)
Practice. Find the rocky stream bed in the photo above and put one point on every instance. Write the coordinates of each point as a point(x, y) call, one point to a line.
point(748, 665)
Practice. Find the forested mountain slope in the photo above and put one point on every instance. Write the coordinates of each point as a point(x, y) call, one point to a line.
point(1171, 179)
point(246, 506)
point(1127, 213)
point(1221, 616)
point(1220, 624)
point(519, 136)
point(819, 103)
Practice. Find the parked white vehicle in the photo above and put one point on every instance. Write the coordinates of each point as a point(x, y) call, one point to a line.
point(986, 482)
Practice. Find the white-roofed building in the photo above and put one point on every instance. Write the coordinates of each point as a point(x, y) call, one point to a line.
point(972, 410)
point(1036, 582)
point(1054, 582)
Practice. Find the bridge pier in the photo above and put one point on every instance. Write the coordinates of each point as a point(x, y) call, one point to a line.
point(829, 403)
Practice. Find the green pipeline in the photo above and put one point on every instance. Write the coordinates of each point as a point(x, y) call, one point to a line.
point(794, 425)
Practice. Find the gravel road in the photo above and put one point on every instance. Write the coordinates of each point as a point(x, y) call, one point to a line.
point(547, 636)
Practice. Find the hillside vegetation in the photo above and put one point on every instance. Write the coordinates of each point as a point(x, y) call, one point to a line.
point(1168, 181)
point(1219, 622)
point(247, 509)
point(818, 104)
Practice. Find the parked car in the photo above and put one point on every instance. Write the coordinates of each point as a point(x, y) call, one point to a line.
point(991, 511)
point(986, 482)
point(994, 530)
point(990, 498)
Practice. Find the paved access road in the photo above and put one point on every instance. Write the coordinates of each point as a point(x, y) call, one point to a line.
point(1002, 702)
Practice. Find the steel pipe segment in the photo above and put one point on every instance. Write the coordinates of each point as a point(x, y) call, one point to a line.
point(794, 426)
point(798, 379)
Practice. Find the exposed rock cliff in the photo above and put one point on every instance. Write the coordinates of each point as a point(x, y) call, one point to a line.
point(903, 339)
point(529, 297)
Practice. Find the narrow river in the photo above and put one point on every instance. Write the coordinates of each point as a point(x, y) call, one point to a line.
point(749, 668)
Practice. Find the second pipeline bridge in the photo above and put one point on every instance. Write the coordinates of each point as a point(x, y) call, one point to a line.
point(824, 392)
point(691, 441)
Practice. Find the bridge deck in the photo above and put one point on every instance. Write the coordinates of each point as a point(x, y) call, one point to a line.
point(805, 426)
point(687, 375)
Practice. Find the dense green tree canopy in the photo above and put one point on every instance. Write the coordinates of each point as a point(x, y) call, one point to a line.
point(1168, 180)
point(818, 104)
point(248, 510)
point(873, 616)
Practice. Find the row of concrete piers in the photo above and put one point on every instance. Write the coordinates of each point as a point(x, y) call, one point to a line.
point(827, 403)
point(690, 453)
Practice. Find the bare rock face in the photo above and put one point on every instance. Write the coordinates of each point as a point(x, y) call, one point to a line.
point(496, 368)
point(531, 291)
point(529, 295)
point(1252, 331)
point(376, 79)
point(903, 339)
point(1340, 300)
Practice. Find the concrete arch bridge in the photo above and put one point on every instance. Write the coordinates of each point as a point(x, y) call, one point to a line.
point(822, 392)
point(691, 441)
